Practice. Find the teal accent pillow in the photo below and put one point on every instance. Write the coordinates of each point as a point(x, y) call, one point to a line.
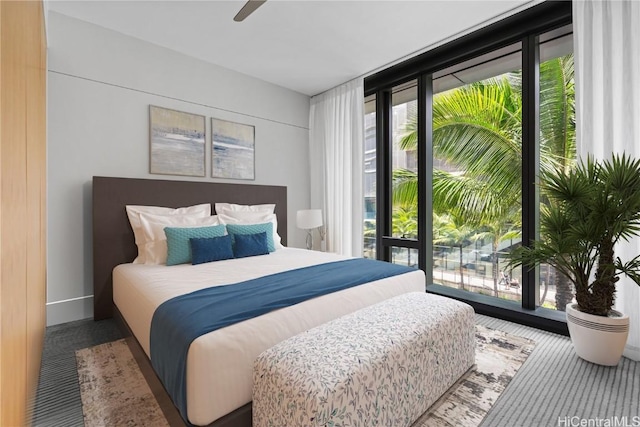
point(211, 249)
point(250, 245)
point(245, 229)
point(178, 245)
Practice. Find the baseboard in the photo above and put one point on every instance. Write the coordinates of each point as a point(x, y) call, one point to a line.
point(69, 310)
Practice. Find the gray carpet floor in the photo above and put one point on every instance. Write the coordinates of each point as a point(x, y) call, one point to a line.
point(553, 388)
point(556, 388)
point(58, 397)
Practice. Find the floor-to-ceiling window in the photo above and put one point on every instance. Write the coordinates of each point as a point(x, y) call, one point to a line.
point(557, 143)
point(477, 162)
point(369, 182)
point(404, 162)
point(461, 134)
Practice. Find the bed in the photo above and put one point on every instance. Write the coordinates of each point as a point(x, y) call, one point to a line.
point(220, 363)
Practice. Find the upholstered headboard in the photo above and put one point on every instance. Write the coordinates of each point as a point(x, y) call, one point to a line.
point(113, 241)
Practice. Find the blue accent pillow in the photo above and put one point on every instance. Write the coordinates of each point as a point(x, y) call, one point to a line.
point(250, 245)
point(244, 229)
point(178, 247)
point(210, 249)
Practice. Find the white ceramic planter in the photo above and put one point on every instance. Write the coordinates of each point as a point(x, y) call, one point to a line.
point(598, 339)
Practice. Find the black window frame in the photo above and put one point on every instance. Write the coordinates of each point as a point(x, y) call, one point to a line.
point(523, 27)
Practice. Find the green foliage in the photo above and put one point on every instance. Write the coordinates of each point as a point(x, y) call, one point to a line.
point(405, 188)
point(477, 129)
point(452, 230)
point(592, 207)
point(404, 222)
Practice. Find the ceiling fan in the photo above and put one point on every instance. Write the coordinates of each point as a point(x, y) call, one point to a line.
point(248, 8)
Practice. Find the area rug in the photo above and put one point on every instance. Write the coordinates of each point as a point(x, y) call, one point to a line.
point(499, 355)
point(114, 392)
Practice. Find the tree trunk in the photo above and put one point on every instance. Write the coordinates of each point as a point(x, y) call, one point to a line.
point(599, 298)
point(564, 291)
point(461, 271)
point(495, 268)
point(546, 286)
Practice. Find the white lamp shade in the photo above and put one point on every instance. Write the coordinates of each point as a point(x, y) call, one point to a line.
point(310, 218)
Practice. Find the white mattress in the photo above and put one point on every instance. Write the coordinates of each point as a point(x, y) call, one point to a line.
point(220, 363)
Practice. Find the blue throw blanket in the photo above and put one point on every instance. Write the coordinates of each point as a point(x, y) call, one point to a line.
point(179, 321)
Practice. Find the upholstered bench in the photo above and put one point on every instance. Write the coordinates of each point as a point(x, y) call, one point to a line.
point(382, 365)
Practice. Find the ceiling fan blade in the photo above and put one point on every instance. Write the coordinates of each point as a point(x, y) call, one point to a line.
point(248, 9)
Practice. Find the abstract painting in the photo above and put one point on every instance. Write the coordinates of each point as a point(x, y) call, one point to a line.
point(232, 150)
point(177, 142)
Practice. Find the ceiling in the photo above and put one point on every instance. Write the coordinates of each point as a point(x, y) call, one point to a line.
point(304, 45)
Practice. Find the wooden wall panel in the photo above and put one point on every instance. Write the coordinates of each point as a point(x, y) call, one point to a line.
point(2, 391)
point(22, 205)
point(12, 221)
point(36, 198)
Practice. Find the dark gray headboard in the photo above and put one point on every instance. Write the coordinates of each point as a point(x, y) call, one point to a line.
point(113, 241)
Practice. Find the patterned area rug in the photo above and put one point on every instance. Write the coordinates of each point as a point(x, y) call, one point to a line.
point(114, 392)
point(498, 357)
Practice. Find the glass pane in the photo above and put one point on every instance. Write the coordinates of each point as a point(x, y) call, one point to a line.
point(477, 179)
point(404, 256)
point(557, 141)
point(369, 248)
point(404, 219)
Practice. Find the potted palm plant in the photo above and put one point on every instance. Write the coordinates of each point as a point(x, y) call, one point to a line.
point(591, 208)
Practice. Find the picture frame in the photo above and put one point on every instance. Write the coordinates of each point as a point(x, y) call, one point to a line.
point(232, 150)
point(177, 142)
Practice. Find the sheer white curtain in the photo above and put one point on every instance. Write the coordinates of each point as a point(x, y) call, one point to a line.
point(607, 64)
point(336, 138)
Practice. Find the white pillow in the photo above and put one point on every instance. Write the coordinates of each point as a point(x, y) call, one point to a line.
point(134, 211)
point(155, 246)
point(230, 207)
point(247, 217)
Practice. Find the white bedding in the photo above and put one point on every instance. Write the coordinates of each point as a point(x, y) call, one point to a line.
point(220, 363)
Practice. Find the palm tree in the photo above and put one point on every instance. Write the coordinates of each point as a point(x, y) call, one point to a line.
point(405, 224)
point(557, 125)
point(497, 231)
point(454, 231)
point(477, 130)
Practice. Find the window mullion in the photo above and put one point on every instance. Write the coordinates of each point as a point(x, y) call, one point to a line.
point(383, 177)
point(530, 161)
point(425, 174)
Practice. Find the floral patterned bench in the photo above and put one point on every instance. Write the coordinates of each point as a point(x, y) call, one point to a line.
point(382, 365)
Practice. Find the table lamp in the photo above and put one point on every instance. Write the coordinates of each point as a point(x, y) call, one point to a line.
point(308, 220)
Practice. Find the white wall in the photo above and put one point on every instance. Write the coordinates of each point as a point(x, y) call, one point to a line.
point(100, 86)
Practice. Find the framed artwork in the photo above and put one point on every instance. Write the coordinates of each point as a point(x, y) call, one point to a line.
point(232, 150)
point(177, 141)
